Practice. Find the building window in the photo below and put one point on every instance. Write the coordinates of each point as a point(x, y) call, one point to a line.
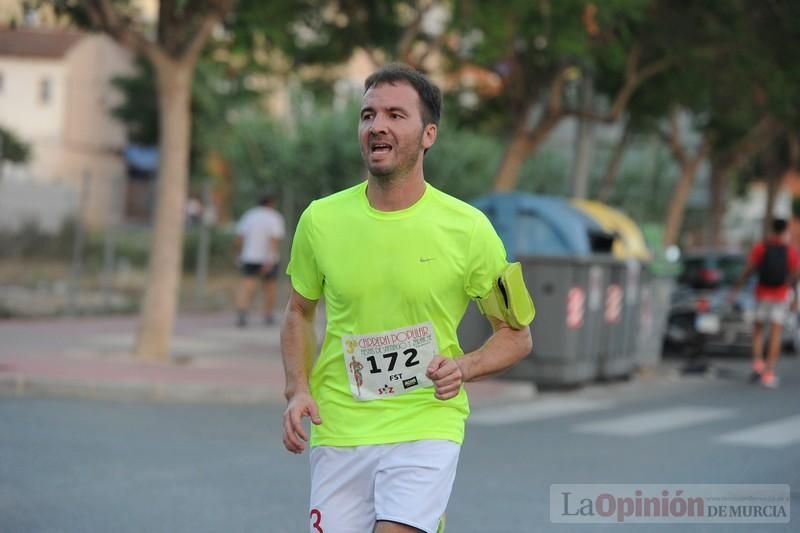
point(45, 91)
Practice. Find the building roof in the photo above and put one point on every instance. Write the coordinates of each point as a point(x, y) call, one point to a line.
point(37, 43)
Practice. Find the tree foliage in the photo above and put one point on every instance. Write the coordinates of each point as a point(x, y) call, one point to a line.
point(319, 154)
point(218, 90)
point(12, 149)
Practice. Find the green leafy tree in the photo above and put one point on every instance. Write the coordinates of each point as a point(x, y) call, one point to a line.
point(138, 109)
point(172, 47)
point(12, 149)
point(319, 154)
point(733, 89)
point(539, 51)
point(218, 89)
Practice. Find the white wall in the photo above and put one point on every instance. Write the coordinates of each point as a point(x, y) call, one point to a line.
point(26, 114)
point(21, 107)
point(72, 134)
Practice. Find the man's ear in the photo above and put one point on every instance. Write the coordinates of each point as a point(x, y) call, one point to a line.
point(429, 135)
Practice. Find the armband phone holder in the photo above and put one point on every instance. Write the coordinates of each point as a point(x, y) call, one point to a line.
point(509, 299)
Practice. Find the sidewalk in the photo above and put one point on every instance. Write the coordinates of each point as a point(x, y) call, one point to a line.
point(212, 361)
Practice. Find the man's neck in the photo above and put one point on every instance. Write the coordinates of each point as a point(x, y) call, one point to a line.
point(395, 194)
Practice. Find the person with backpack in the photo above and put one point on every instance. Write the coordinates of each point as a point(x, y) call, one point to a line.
point(777, 265)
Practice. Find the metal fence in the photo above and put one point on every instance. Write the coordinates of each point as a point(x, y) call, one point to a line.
point(96, 261)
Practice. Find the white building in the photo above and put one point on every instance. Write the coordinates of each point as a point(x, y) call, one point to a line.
point(56, 95)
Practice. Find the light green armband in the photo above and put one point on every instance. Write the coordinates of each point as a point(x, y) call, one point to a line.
point(509, 299)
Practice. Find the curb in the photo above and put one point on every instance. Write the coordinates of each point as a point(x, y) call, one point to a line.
point(17, 385)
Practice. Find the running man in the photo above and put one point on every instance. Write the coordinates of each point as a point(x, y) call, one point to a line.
point(397, 262)
point(777, 265)
point(257, 246)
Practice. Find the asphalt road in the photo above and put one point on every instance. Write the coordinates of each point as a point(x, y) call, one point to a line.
point(69, 465)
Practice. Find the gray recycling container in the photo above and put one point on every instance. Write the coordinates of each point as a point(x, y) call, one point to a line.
point(617, 341)
point(567, 292)
point(558, 247)
point(653, 314)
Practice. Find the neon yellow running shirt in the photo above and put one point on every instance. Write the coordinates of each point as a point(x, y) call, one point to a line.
point(380, 271)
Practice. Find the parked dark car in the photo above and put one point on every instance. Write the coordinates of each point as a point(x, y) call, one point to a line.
point(700, 317)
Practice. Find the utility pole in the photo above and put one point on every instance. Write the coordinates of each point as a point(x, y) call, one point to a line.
point(73, 288)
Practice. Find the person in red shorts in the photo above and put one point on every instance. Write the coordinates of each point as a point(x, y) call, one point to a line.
point(777, 265)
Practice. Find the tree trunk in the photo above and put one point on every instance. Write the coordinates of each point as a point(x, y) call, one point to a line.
point(718, 189)
point(794, 163)
point(222, 179)
point(772, 176)
point(769, 210)
point(677, 205)
point(514, 157)
point(523, 143)
point(159, 307)
point(614, 165)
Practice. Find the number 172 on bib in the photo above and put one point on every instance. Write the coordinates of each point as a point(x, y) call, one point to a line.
point(389, 363)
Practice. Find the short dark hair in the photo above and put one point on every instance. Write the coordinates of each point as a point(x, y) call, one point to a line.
point(266, 198)
point(779, 225)
point(429, 94)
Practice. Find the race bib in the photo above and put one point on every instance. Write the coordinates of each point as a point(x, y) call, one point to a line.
point(385, 364)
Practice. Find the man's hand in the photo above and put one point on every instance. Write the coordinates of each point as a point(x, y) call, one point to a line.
point(294, 434)
point(446, 375)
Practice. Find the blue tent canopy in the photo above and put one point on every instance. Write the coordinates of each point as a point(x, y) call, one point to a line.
point(539, 225)
point(142, 158)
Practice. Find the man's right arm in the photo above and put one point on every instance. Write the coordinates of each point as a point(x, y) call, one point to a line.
point(743, 277)
point(298, 345)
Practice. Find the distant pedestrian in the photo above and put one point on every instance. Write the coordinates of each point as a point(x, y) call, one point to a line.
point(194, 211)
point(777, 265)
point(258, 237)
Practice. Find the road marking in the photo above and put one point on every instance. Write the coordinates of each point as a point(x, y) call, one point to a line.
point(655, 421)
point(777, 434)
point(536, 410)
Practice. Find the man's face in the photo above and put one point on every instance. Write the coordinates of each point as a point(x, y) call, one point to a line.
point(390, 130)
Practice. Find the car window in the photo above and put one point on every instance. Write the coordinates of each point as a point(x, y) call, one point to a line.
point(692, 268)
point(731, 267)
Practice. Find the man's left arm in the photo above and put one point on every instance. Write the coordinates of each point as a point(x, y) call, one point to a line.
point(503, 350)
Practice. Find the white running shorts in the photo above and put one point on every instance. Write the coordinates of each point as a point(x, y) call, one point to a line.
point(771, 311)
point(408, 483)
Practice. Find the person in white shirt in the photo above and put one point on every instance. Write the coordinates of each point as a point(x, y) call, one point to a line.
point(258, 236)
